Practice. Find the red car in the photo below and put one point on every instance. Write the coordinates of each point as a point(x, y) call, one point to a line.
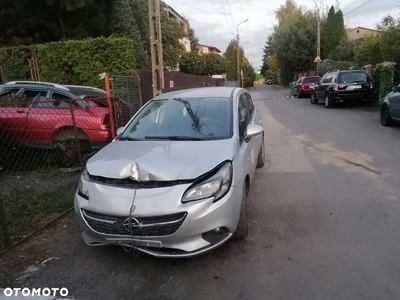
point(39, 115)
point(303, 86)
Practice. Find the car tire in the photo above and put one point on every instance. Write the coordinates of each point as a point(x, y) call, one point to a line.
point(261, 155)
point(328, 101)
point(299, 95)
point(242, 229)
point(386, 118)
point(313, 98)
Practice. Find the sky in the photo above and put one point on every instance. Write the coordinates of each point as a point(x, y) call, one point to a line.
point(215, 28)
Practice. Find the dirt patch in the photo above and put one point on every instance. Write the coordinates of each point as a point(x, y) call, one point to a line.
point(38, 181)
point(327, 153)
point(23, 261)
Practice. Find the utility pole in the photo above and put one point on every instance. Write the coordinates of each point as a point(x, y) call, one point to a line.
point(238, 52)
point(318, 44)
point(238, 59)
point(157, 63)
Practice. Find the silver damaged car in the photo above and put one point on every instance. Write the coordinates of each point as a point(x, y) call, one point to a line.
point(174, 181)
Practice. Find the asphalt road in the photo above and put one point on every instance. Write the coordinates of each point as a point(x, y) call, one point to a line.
point(324, 222)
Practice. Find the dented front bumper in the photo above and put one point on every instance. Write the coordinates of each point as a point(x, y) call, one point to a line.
point(161, 225)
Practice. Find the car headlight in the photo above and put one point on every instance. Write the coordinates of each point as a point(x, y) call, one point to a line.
point(82, 187)
point(216, 186)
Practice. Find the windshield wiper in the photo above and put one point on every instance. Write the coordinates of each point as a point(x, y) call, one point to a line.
point(174, 138)
point(127, 139)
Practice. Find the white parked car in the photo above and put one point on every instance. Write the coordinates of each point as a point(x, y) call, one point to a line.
point(174, 181)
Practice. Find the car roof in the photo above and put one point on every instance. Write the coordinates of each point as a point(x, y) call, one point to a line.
point(85, 90)
point(212, 91)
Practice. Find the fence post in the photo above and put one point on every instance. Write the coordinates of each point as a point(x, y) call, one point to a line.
point(76, 134)
point(109, 104)
point(3, 224)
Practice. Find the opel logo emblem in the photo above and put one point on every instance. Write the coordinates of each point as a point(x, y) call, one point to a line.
point(133, 225)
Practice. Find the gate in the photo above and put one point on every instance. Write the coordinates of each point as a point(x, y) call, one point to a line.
point(127, 89)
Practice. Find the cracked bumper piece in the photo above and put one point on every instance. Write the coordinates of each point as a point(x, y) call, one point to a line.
point(161, 225)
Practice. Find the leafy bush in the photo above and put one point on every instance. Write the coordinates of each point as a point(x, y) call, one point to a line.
point(71, 62)
point(383, 79)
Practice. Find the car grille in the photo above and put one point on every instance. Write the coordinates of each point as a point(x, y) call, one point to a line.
point(141, 226)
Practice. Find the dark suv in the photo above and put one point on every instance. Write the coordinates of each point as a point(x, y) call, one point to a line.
point(342, 86)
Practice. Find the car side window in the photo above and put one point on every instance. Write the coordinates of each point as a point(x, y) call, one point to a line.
point(243, 116)
point(250, 105)
point(59, 101)
point(328, 78)
point(323, 78)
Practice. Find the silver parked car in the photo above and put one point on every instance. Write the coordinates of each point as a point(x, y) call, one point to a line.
point(174, 181)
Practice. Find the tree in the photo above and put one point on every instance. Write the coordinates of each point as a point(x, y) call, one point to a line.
point(295, 46)
point(273, 67)
point(194, 40)
point(333, 32)
point(214, 64)
point(124, 24)
point(172, 32)
point(346, 50)
point(230, 56)
point(390, 39)
point(369, 51)
point(267, 52)
point(192, 63)
point(31, 22)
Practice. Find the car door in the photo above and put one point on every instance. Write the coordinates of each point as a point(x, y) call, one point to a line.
point(255, 118)
point(47, 113)
point(14, 113)
point(296, 87)
point(318, 88)
point(394, 100)
point(246, 145)
point(325, 83)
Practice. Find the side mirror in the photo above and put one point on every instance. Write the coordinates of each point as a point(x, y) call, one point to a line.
point(119, 130)
point(253, 130)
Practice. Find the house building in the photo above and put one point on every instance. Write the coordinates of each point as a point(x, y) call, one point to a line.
point(172, 13)
point(360, 32)
point(204, 49)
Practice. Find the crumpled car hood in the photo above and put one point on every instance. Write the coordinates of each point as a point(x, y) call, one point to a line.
point(159, 160)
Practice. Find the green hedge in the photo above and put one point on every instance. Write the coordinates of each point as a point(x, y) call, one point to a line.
point(71, 62)
point(383, 79)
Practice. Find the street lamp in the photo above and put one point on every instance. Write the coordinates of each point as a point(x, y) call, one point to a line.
point(237, 51)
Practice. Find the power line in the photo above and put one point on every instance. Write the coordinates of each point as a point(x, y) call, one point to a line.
point(230, 12)
point(224, 13)
point(349, 5)
point(358, 7)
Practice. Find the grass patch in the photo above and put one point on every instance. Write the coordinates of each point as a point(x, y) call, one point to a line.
point(26, 211)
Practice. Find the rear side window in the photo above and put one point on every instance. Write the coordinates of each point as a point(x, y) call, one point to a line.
point(310, 79)
point(352, 77)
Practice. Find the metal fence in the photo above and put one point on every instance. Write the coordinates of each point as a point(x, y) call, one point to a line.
point(44, 145)
point(128, 89)
point(175, 82)
point(230, 83)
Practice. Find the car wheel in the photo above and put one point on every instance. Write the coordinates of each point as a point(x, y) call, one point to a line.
point(386, 119)
point(261, 155)
point(242, 229)
point(328, 101)
point(313, 98)
point(298, 94)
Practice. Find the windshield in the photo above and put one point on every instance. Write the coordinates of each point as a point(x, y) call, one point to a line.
point(352, 77)
point(182, 119)
point(310, 79)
